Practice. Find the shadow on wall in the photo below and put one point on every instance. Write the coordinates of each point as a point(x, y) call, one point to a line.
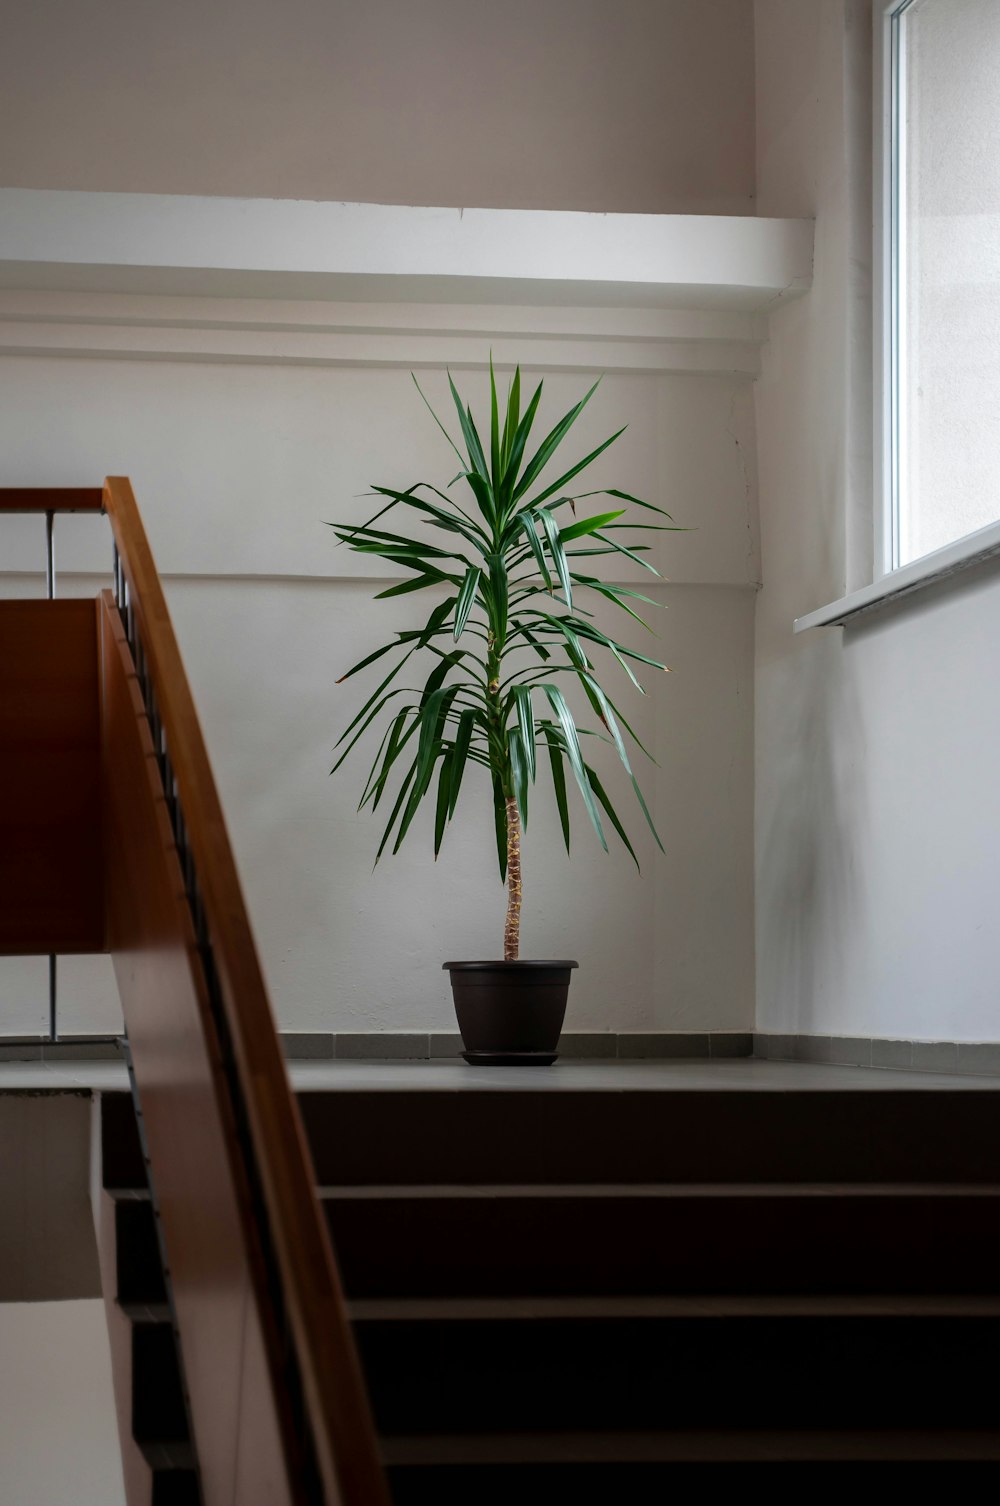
point(811, 889)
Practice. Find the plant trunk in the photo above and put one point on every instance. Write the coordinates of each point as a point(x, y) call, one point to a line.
point(512, 927)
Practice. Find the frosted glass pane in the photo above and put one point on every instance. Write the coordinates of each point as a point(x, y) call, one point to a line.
point(87, 996)
point(24, 996)
point(950, 273)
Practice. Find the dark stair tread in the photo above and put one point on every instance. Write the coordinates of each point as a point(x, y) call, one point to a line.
point(146, 1313)
point(615, 1308)
point(543, 1191)
point(167, 1455)
point(704, 1445)
point(505, 1135)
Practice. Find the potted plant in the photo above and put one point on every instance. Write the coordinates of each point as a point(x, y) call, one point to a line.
point(506, 563)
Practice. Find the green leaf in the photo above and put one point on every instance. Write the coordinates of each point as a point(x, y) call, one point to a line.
point(462, 743)
point(519, 773)
point(444, 791)
point(558, 557)
point(397, 741)
point(629, 554)
point(370, 659)
point(565, 718)
point(498, 595)
point(631, 730)
point(483, 493)
point(575, 470)
point(517, 447)
point(467, 527)
point(614, 594)
point(466, 598)
point(435, 622)
point(374, 697)
point(426, 578)
point(477, 460)
point(526, 522)
point(608, 717)
point(430, 722)
point(500, 822)
point(612, 816)
point(588, 525)
point(539, 648)
point(526, 722)
point(400, 797)
point(494, 429)
point(511, 419)
point(440, 425)
point(612, 491)
point(558, 783)
point(551, 443)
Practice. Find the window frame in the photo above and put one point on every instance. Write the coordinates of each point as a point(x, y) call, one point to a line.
point(889, 262)
point(889, 324)
point(892, 580)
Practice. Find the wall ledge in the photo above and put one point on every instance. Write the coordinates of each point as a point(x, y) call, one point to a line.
point(918, 576)
point(288, 248)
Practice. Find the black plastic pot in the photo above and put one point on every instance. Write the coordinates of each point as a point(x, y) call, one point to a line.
point(510, 1013)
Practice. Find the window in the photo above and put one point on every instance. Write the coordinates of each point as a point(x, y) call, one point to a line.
point(939, 410)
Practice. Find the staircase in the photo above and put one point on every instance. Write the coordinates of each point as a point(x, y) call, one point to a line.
point(437, 1295)
point(577, 1294)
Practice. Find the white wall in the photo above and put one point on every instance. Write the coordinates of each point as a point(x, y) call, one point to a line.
point(58, 1432)
point(646, 105)
point(236, 467)
point(877, 803)
point(642, 105)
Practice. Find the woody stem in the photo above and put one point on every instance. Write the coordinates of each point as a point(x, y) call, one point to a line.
point(512, 926)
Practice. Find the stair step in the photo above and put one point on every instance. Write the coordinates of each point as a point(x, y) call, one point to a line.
point(587, 1241)
point(138, 1264)
point(123, 1164)
point(737, 1305)
point(506, 1452)
point(175, 1475)
point(364, 1137)
point(829, 1370)
point(150, 1313)
point(644, 1469)
point(158, 1409)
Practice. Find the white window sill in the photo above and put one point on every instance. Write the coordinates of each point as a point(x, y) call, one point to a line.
point(916, 576)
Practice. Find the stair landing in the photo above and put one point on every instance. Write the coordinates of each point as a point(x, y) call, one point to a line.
point(747, 1074)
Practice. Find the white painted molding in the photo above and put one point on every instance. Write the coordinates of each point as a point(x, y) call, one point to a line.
point(411, 335)
point(85, 579)
point(933, 568)
point(276, 248)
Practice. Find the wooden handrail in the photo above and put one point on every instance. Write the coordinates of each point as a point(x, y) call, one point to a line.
point(322, 1344)
point(51, 499)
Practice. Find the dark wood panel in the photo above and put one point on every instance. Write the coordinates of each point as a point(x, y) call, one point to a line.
point(51, 499)
point(196, 1164)
point(50, 823)
point(327, 1363)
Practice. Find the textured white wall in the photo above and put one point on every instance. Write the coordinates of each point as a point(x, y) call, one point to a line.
point(236, 467)
point(58, 1433)
point(877, 804)
point(553, 104)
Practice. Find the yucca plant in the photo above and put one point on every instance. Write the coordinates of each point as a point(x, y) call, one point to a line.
point(513, 621)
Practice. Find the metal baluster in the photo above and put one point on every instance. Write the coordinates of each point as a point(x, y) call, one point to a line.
point(53, 1001)
point(50, 592)
point(50, 555)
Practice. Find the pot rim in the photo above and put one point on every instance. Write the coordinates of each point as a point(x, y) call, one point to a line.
point(482, 967)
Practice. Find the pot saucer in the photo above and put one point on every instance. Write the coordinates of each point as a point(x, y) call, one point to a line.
point(510, 1058)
